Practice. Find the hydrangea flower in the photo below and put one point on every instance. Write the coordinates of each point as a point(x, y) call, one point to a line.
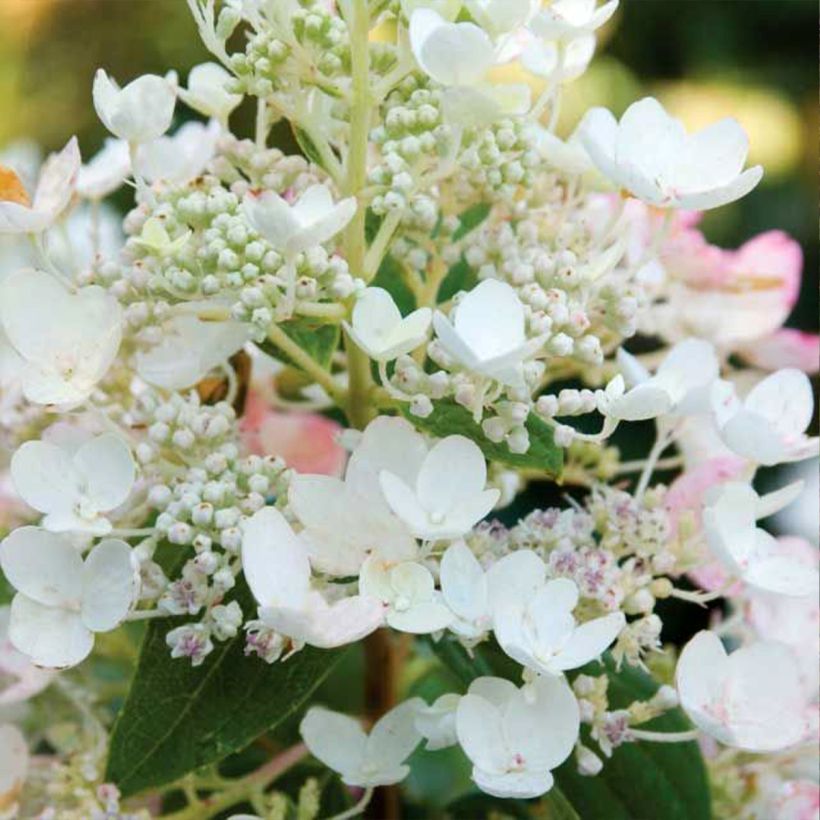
point(650, 155)
point(62, 600)
point(73, 486)
point(139, 112)
point(207, 93)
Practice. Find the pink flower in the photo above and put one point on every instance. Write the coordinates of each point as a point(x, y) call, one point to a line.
point(730, 297)
point(784, 348)
point(306, 441)
point(686, 495)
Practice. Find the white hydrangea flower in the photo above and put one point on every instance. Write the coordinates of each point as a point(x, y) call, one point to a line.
point(487, 333)
point(207, 94)
point(748, 552)
point(408, 594)
point(189, 349)
point(379, 329)
point(14, 763)
point(769, 425)
point(516, 737)
point(541, 633)
point(67, 340)
point(346, 521)
point(139, 112)
point(650, 155)
point(752, 699)
point(680, 386)
point(180, 157)
point(570, 19)
point(448, 496)
point(106, 171)
point(55, 187)
point(61, 600)
point(74, 486)
point(313, 219)
point(459, 56)
point(277, 571)
point(436, 723)
point(365, 760)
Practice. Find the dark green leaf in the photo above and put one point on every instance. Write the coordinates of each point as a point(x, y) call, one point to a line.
point(470, 219)
point(641, 781)
point(389, 277)
point(178, 718)
point(319, 341)
point(449, 418)
point(308, 147)
point(460, 277)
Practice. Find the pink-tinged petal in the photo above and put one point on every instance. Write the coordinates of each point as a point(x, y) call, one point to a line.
point(786, 347)
point(306, 441)
point(771, 260)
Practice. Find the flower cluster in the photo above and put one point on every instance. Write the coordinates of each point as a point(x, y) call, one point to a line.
point(442, 269)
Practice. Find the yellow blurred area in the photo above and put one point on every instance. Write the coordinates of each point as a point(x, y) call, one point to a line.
point(775, 127)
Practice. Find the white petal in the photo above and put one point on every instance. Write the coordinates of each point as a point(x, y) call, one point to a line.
point(109, 585)
point(702, 665)
point(752, 436)
point(271, 217)
point(395, 736)
point(52, 637)
point(777, 500)
point(515, 577)
point(514, 785)
point(404, 503)
point(14, 761)
point(785, 399)
point(45, 477)
point(480, 729)
point(57, 179)
point(44, 566)
point(108, 468)
point(276, 567)
point(421, 619)
point(645, 401)
point(453, 472)
point(335, 739)
point(495, 690)
point(490, 319)
point(463, 582)
point(590, 639)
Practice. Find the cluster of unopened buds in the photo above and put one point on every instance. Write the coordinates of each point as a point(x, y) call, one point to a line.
point(461, 284)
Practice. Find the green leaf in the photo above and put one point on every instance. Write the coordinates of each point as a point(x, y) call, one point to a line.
point(460, 277)
point(470, 219)
point(641, 781)
point(308, 147)
point(320, 341)
point(178, 718)
point(389, 277)
point(449, 418)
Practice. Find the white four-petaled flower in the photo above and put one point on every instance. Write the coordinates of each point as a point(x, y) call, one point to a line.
point(61, 600)
point(516, 737)
point(752, 699)
point(650, 155)
point(366, 760)
point(73, 486)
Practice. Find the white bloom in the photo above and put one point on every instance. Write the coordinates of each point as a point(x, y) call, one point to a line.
point(769, 425)
point(53, 193)
point(749, 552)
point(180, 157)
point(313, 219)
point(67, 340)
point(14, 762)
point(437, 723)
point(540, 632)
point(680, 387)
point(563, 62)
point(569, 19)
point(140, 112)
point(20, 679)
point(516, 737)
point(488, 333)
point(74, 486)
point(472, 594)
point(448, 496)
point(752, 699)
point(278, 573)
point(379, 329)
point(106, 171)
point(346, 521)
point(459, 56)
point(206, 92)
point(364, 760)
point(568, 156)
point(61, 600)
point(407, 591)
point(189, 350)
point(502, 16)
point(650, 155)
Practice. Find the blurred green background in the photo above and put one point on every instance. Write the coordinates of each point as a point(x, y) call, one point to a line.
point(754, 59)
